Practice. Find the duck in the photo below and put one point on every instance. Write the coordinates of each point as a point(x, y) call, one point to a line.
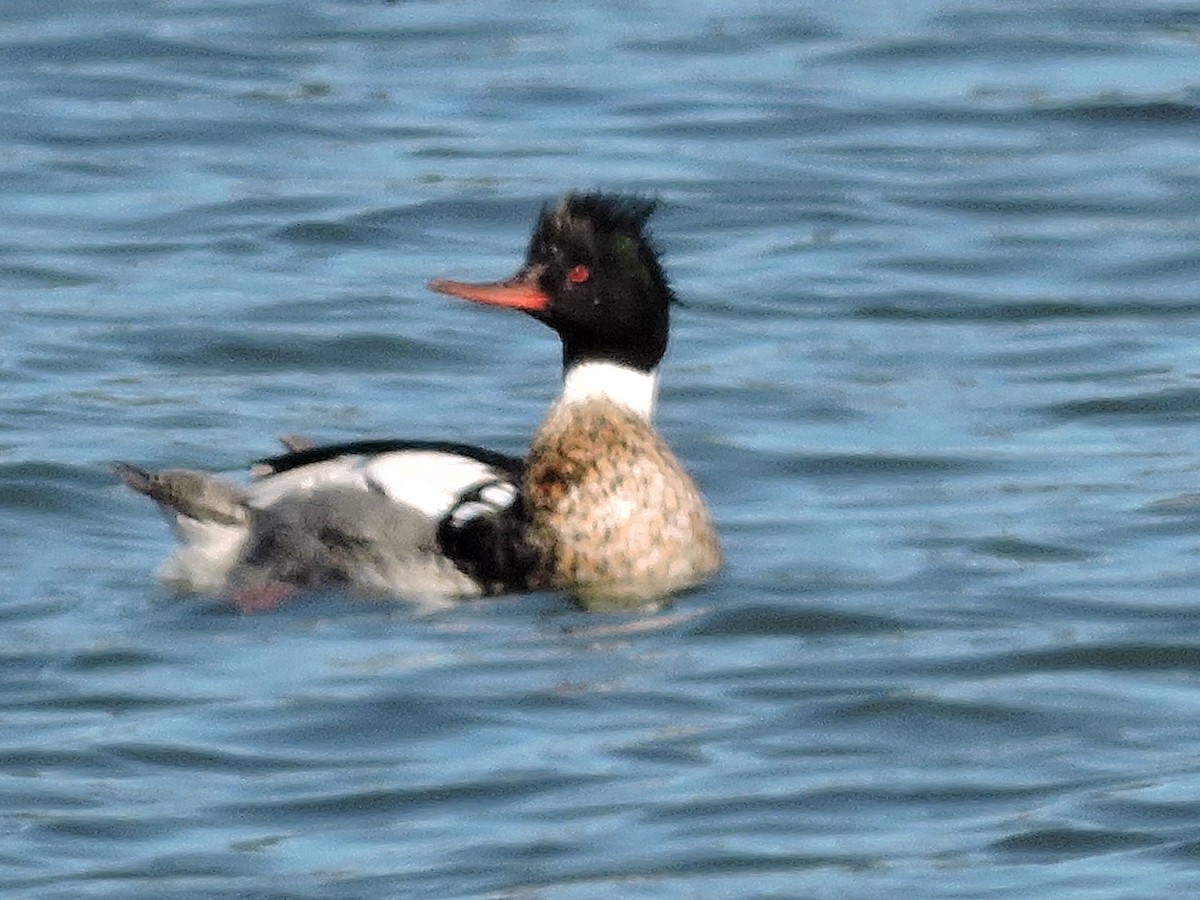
point(599, 508)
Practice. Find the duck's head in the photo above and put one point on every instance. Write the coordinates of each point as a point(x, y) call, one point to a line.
point(592, 274)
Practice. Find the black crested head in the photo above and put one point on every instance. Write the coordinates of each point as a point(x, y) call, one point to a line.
point(608, 296)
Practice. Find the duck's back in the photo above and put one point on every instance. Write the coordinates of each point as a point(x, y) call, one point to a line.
point(615, 512)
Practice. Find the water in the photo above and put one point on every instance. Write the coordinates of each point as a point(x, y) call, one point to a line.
point(936, 371)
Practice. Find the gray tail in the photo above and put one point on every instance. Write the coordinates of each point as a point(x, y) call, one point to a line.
point(197, 495)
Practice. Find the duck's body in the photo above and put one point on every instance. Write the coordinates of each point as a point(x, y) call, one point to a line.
point(601, 508)
point(613, 511)
point(418, 519)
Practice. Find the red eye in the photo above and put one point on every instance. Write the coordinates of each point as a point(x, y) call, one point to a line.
point(579, 275)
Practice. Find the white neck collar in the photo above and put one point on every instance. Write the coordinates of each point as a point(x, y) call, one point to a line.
point(631, 388)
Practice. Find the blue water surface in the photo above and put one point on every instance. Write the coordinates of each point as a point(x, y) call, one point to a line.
point(935, 368)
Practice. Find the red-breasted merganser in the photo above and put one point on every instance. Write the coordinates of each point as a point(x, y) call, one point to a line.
point(600, 509)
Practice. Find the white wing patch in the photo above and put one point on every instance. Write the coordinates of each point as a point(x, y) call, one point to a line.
point(499, 494)
point(427, 479)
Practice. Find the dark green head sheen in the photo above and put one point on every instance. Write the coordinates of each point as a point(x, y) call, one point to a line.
point(609, 295)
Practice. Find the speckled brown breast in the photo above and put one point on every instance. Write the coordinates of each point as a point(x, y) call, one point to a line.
point(615, 512)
